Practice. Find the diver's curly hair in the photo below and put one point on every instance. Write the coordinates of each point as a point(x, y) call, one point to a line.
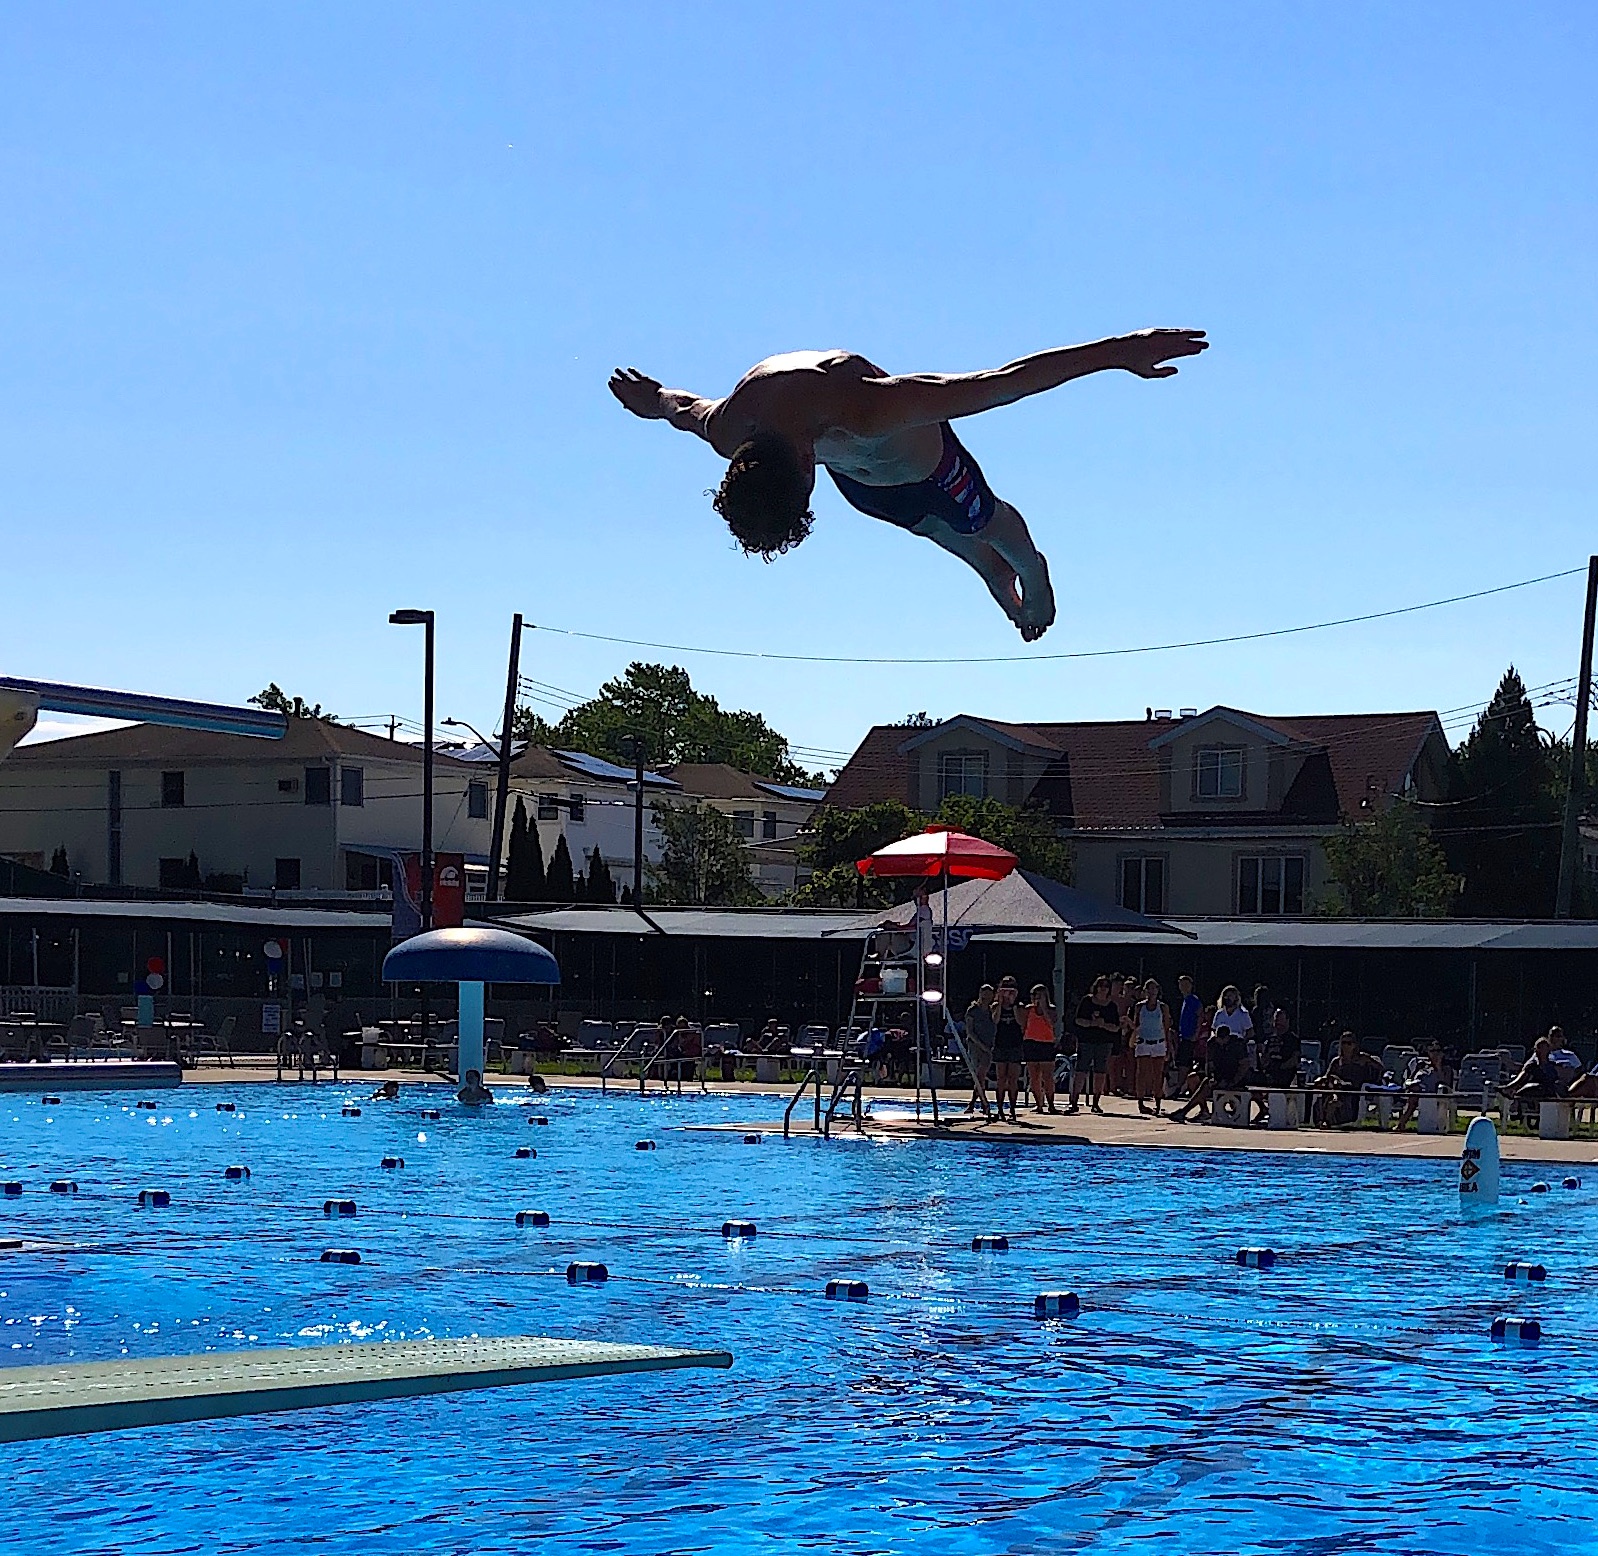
point(765, 498)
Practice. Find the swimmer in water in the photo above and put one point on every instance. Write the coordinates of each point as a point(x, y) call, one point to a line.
point(887, 444)
point(473, 1092)
point(387, 1092)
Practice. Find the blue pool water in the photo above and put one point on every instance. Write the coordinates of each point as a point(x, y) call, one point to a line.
point(1349, 1400)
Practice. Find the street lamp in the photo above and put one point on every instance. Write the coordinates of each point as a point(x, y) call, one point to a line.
point(414, 618)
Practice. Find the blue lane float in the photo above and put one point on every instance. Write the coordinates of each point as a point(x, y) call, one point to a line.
point(1056, 1304)
point(1526, 1330)
point(11, 1189)
point(1525, 1272)
point(227, 1107)
point(392, 1163)
point(338, 1207)
point(645, 1145)
point(349, 1112)
point(154, 1199)
point(1571, 1183)
point(990, 1242)
point(737, 1229)
point(50, 1102)
point(581, 1273)
point(1257, 1258)
point(431, 1115)
point(532, 1218)
point(525, 1153)
point(847, 1290)
point(148, 1107)
point(537, 1118)
point(752, 1139)
point(236, 1173)
point(341, 1256)
point(64, 1186)
point(1539, 1188)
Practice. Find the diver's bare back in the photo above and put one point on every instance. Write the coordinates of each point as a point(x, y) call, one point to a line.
point(887, 443)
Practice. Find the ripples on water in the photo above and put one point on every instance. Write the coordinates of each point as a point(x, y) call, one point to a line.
point(1347, 1401)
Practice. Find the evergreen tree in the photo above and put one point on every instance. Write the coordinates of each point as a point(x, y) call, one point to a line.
point(524, 858)
point(1501, 827)
point(559, 885)
point(601, 888)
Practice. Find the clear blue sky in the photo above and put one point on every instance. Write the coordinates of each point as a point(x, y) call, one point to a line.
point(309, 309)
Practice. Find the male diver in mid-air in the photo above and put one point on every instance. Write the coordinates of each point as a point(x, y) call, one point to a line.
point(888, 446)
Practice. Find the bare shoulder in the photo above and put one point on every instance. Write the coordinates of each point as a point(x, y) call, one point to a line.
point(796, 391)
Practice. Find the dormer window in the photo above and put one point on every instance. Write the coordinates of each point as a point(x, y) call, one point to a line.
point(1218, 773)
point(963, 772)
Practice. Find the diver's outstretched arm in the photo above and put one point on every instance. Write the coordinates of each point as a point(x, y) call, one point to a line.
point(643, 396)
point(880, 406)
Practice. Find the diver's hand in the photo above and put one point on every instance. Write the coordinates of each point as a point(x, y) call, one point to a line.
point(1148, 352)
point(639, 393)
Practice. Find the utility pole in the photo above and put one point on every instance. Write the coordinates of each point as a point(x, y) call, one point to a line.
point(502, 794)
point(1570, 843)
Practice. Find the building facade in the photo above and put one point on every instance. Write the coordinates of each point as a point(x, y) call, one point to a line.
point(1219, 813)
point(319, 812)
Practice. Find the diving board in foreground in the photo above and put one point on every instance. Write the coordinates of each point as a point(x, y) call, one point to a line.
point(71, 1398)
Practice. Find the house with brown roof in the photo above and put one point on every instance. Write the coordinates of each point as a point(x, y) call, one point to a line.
point(320, 811)
point(1221, 812)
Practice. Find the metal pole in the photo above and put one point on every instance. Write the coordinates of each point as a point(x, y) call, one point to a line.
point(1570, 843)
point(427, 783)
point(638, 824)
point(502, 794)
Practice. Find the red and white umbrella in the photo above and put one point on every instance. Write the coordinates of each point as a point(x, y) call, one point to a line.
point(941, 851)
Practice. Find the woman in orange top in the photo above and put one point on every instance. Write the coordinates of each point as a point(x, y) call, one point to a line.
point(1038, 1049)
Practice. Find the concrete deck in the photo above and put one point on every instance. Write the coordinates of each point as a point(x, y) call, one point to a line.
point(69, 1399)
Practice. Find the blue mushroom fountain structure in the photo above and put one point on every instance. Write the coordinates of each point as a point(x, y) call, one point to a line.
point(470, 958)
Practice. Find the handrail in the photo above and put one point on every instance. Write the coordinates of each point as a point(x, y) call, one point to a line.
point(804, 1086)
point(849, 1071)
point(616, 1053)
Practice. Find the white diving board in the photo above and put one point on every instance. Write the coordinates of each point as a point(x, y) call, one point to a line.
point(71, 1398)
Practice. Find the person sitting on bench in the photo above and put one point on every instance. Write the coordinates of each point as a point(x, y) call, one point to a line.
point(1279, 1056)
point(1348, 1075)
point(1538, 1079)
point(1225, 1069)
point(1428, 1073)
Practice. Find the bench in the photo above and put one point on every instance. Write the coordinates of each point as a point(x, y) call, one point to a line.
point(1556, 1118)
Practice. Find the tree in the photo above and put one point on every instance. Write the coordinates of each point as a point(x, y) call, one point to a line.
point(279, 701)
point(559, 886)
point(601, 888)
point(658, 704)
point(1389, 867)
point(58, 861)
point(524, 858)
point(703, 860)
point(1500, 827)
point(835, 838)
point(1028, 831)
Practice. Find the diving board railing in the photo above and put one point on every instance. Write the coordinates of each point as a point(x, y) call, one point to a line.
point(71, 1398)
point(176, 712)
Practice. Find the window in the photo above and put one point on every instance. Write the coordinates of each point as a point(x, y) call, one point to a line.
point(1218, 773)
point(477, 799)
point(963, 772)
point(744, 820)
point(171, 790)
point(113, 829)
point(318, 786)
point(1270, 884)
point(360, 872)
point(548, 807)
point(352, 786)
point(286, 877)
point(1143, 883)
point(288, 786)
point(577, 805)
point(768, 824)
point(174, 874)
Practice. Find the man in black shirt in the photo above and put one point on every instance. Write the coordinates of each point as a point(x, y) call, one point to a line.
point(1098, 1028)
point(1279, 1053)
point(1225, 1069)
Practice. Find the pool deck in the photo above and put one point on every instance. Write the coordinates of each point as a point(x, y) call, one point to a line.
point(1120, 1125)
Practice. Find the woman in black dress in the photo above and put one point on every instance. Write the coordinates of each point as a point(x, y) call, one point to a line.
point(1009, 1039)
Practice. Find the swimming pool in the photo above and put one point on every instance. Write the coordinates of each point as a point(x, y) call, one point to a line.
point(1349, 1399)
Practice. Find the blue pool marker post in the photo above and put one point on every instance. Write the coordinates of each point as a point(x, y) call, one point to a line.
point(470, 958)
point(1478, 1166)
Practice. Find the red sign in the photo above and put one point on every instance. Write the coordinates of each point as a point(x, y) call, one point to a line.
point(449, 893)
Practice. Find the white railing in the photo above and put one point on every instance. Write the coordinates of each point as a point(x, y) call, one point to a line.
point(46, 1000)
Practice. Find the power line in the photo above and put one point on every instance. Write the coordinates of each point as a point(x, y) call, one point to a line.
point(1084, 653)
